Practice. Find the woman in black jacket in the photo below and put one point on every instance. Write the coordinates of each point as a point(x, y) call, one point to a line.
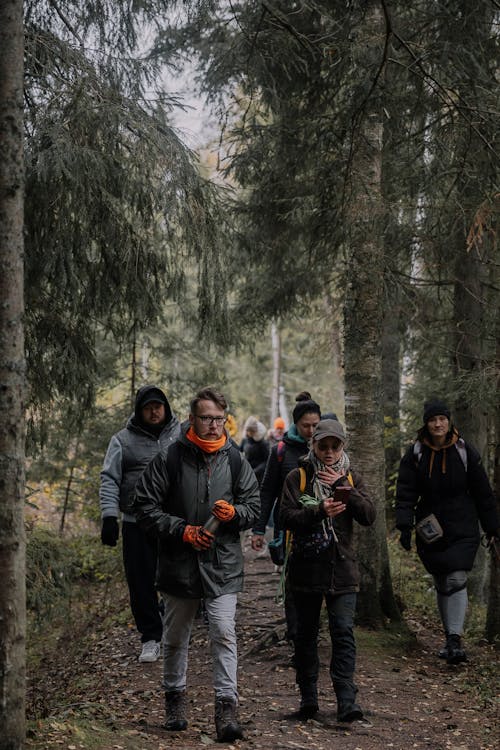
point(442, 484)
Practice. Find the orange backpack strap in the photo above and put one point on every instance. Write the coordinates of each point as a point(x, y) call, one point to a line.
point(350, 479)
point(302, 484)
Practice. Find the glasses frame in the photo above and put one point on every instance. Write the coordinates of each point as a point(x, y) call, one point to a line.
point(208, 420)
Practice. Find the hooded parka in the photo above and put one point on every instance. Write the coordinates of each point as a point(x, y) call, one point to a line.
point(437, 481)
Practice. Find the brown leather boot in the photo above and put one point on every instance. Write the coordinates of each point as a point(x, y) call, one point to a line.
point(176, 710)
point(226, 721)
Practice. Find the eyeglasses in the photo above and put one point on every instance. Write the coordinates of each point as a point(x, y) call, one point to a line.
point(205, 419)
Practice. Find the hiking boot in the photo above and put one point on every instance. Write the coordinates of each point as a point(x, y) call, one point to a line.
point(176, 710)
point(307, 710)
point(308, 701)
point(226, 722)
point(347, 712)
point(455, 653)
point(150, 651)
point(443, 651)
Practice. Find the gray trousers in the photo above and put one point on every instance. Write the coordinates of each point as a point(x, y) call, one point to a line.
point(451, 595)
point(178, 622)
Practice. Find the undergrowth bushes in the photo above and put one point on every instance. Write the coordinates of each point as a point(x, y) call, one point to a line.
point(55, 566)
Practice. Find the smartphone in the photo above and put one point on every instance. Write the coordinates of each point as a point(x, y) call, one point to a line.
point(341, 494)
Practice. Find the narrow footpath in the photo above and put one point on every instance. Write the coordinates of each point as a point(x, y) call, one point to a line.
point(411, 701)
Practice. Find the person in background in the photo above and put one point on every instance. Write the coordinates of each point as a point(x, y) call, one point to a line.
point(322, 563)
point(255, 447)
point(197, 480)
point(231, 426)
point(284, 457)
point(277, 433)
point(151, 428)
point(442, 483)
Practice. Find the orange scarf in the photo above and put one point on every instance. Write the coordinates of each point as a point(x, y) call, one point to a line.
point(207, 446)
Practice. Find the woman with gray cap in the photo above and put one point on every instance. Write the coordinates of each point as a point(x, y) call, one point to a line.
point(321, 500)
point(443, 488)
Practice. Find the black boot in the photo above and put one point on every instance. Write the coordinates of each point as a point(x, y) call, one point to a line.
point(455, 653)
point(176, 710)
point(226, 721)
point(443, 652)
point(308, 701)
point(347, 711)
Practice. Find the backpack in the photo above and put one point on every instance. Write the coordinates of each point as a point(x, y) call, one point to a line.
point(280, 451)
point(174, 463)
point(459, 445)
point(279, 547)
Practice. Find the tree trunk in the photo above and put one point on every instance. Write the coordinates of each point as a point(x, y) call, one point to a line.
point(12, 381)
point(66, 500)
point(276, 351)
point(363, 331)
point(133, 370)
point(391, 374)
point(492, 629)
point(493, 611)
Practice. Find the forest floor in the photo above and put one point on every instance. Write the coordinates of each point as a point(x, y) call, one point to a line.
point(87, 689)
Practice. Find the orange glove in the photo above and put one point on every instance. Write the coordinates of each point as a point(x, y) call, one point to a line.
point(223, 511)
point(198, 537)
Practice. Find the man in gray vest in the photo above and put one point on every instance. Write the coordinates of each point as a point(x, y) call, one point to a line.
point(149, 430)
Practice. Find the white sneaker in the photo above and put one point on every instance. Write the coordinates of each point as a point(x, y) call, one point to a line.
point(150, 651)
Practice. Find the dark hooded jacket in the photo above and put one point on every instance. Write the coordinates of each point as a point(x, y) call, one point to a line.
point(334, 567)
point(458, 497)
point(283, 457)
point(164, 504)
point(129, 452)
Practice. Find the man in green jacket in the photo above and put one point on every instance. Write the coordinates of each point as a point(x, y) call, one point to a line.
point(200, 477)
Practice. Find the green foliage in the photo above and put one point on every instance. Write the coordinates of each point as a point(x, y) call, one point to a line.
point(55, 566)
point(116, 210)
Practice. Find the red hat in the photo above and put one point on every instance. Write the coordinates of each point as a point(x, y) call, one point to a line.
point(279, 423)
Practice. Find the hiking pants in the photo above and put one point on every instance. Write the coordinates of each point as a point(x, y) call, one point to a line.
point(178, 619)
point(140, 553)
point(340, 610)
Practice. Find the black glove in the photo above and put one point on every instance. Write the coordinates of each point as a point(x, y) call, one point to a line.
point(405, 539)
point(110, 531)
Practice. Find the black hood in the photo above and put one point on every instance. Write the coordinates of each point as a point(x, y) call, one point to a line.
point(150, 393)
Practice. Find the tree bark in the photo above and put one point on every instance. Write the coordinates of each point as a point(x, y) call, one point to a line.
point(492, 629)
point(12, 381)
point(363, 331)
point(276, 352)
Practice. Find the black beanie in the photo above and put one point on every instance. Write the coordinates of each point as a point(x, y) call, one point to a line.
point(435, 407)
point(307, 406)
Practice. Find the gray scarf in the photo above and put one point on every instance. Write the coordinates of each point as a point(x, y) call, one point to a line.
point(322, 490)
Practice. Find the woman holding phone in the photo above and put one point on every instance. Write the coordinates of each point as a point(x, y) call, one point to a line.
point(320, 501)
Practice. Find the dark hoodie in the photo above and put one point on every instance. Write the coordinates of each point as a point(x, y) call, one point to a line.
point(146, 395)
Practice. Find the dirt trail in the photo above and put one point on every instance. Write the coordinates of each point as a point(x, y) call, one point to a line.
point(413, 701)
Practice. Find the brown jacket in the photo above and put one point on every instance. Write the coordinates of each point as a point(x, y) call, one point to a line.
point(332, 565)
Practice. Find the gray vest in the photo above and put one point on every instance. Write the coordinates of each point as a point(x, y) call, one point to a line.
point(138, 449)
